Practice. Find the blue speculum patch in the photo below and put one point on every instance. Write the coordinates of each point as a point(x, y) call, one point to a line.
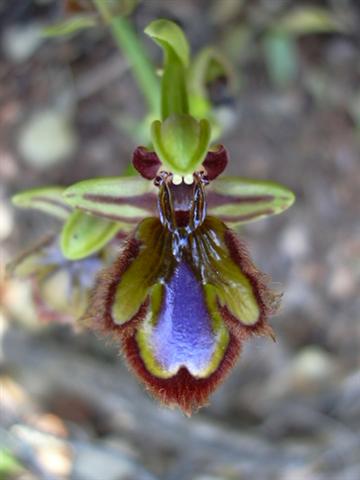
point(183, 334)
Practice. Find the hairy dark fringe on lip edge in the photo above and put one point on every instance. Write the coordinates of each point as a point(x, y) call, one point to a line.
point(268, 299)
point(98, 315)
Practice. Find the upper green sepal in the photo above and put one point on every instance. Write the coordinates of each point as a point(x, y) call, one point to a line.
point(238, 200)
point(181, 142)
point(174, 95)
point(169, 35)
point(84, 235)
point(45, 199)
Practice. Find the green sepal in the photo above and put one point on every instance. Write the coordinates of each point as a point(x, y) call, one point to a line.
point(70, 26)
point(169, 36)
point(238, 200)
point(83, 235)
point(124, 199)
point(181, 142)
point(45, 199)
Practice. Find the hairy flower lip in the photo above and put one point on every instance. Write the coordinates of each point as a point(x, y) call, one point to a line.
point(181, 389)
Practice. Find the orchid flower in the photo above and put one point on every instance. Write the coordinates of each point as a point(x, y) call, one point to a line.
point(182, 294)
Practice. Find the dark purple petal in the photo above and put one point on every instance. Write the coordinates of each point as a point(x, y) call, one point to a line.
point(215, 162)
point(147, 163)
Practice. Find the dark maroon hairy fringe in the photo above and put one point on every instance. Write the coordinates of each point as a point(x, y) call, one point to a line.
point(182, 390)
point(98, 315)
point(267, 299)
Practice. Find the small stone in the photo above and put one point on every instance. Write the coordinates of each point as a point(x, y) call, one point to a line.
point(20, 42)
point(342, 283)
point(295, 242)
point(311, 365)
point(14, 399)
point(49, 423)
point(18, 302)
point(54, 455)
point(90, 463)
point(56, 459)
point(310, 371)
point(47, 139)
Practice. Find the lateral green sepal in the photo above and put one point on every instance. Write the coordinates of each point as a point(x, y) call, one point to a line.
point(181, 142)
point(84, 235)
point(124, 199)
point(238, 200)
point(46, 199)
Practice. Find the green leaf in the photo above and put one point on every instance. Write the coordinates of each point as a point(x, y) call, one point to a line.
point(45, 199)
point(170, 37)
point(70, 26)
point(125, 199)
point(181, 142)
point(237, 200)
point(307, 20)
point(83, 235)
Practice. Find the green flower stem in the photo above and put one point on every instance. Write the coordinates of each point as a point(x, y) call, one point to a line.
point(128, 42)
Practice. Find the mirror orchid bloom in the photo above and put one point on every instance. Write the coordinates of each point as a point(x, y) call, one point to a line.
point(183, 294)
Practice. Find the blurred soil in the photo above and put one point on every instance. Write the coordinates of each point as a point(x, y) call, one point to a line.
point(291, 409)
